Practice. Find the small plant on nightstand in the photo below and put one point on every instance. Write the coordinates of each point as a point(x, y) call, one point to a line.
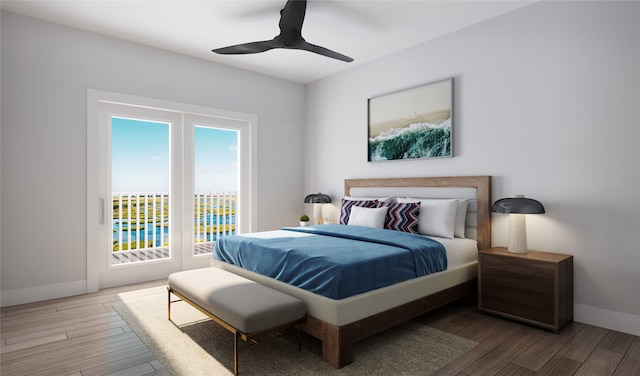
point(304, 220)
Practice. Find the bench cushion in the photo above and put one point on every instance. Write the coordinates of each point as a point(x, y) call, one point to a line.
point(244, 304)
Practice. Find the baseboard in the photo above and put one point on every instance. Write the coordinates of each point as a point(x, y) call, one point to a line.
point(39, 293)
point(604, 318)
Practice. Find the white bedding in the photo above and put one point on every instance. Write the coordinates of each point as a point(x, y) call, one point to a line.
point(462, 267)
point(459, 251)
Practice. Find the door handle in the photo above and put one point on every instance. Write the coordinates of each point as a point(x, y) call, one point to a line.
point(101, 210)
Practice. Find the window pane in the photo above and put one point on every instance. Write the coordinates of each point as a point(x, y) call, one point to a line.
point(216, 185)
point(140, 181)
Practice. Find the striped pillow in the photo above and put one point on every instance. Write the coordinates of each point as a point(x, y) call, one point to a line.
point(345, 208)
point(403, 217)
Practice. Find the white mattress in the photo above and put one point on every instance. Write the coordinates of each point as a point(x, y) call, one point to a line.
point(459, 251)
point(462, 267)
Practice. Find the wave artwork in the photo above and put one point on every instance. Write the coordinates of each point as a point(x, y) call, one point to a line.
point(415, 123)
point(417, 140)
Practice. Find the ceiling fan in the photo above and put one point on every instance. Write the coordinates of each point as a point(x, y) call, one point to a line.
point(291, 19)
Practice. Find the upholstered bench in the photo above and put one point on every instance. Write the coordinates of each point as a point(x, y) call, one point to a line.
point(246, 308)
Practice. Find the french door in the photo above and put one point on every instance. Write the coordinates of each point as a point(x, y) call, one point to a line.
point(168, 184)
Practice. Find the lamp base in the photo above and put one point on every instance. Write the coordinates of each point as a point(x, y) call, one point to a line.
point(318, 215)
point(517, 233)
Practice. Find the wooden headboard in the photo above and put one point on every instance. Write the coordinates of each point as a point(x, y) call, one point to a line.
point(481, 184)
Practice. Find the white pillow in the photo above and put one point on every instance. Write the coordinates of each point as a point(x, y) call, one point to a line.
point(369, 217)
point(461, 218)
point(437, 216)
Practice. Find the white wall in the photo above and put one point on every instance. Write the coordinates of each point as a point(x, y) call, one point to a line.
point(547, 101)
point(46, 71)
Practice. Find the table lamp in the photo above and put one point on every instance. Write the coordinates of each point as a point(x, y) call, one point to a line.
point(517, 206)
point(317, 199)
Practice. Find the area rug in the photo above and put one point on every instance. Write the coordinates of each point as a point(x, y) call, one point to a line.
point(192, 345)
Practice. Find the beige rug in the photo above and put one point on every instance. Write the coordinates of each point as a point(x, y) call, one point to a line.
point(193, 346)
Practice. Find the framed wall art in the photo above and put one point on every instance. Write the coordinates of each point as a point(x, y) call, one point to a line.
point(412, 124)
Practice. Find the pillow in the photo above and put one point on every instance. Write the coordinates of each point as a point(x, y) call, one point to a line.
point(383, 200)
point(347, 203)
point(403, 217)
point(369, 217)
point(437, 216)
point(461, 218)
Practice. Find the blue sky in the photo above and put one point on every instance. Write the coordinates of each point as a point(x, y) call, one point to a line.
point(216, 160)
point(141, 157)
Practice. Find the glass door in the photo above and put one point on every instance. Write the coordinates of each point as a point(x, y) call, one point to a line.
point(140, 190)
point(164, 185)
point(141, 187)
point(215, 186)
point(213, 163)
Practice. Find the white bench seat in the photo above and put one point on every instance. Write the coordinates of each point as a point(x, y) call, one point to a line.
point(244, 307)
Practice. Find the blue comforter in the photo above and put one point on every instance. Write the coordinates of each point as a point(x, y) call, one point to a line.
point(337, 261)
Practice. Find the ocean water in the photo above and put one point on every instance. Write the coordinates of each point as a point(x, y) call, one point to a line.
point(421, 140)
point(150, 219)
point(161, 230)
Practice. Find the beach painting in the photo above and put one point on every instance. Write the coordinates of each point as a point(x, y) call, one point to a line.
point(412, 124)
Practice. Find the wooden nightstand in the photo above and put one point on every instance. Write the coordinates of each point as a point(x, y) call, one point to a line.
point(534, 287)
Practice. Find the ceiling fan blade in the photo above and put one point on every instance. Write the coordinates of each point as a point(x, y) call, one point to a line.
point(292, 15)
point(323, 51)
point(248, 48)
point(290, 37)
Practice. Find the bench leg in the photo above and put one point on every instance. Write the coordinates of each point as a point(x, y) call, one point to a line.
point(235, 352)
point(169, 304)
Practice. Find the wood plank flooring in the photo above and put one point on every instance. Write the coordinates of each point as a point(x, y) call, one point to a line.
point(509, 348)
point(83, 335)
point(77, 336)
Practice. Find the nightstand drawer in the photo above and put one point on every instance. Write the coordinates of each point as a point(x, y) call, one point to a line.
point(536, 287)
point(518, 288)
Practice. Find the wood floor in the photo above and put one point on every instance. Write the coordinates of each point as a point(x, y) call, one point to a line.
point(508, 348)
point(82, 336)
point(78, 336)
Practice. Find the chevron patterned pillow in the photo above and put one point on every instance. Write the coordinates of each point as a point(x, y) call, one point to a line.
point(346, 204)
point(403, 217)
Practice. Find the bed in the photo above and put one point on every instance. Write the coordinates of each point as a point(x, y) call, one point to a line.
point(338, 323)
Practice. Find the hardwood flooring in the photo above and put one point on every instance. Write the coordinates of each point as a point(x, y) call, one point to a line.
point(76, 336)
point(83, 335)
point(509, 348)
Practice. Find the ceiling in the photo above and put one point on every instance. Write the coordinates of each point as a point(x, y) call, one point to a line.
point(364, 30)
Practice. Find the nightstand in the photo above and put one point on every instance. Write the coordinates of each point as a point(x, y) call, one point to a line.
point(535, 287)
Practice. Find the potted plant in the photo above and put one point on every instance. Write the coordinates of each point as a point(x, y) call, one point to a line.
point(304, 220)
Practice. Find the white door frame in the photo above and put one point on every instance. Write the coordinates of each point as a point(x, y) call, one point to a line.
point(96, 212)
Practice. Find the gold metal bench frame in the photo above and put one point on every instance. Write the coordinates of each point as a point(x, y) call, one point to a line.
point(247, 337)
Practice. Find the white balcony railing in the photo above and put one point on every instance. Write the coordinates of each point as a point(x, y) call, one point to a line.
point(214, 215)
point(141, 220)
